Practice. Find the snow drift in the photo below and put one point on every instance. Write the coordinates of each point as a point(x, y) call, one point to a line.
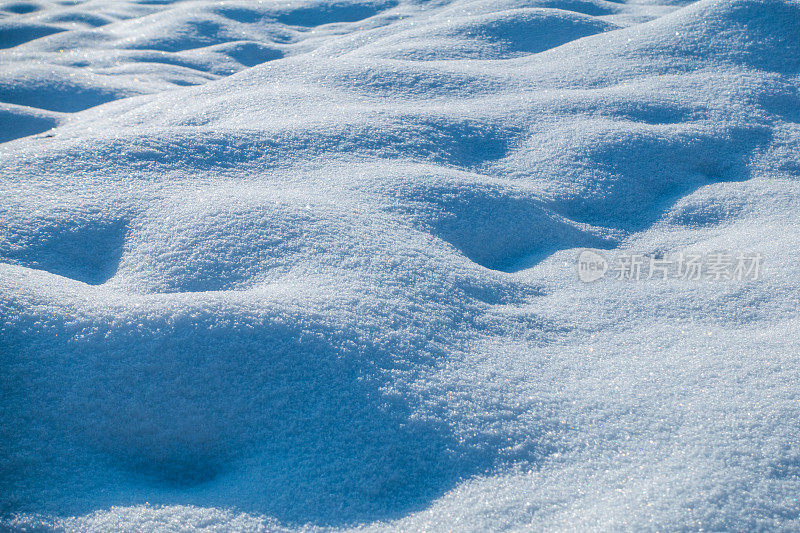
point(271, 265)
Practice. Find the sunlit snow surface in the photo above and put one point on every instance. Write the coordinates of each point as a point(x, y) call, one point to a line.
point(270, 265)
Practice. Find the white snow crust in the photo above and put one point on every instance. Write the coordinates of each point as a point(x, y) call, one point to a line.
point(310, 265)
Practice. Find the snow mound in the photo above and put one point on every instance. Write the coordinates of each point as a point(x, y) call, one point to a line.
point(495, 35)
point(311, 264)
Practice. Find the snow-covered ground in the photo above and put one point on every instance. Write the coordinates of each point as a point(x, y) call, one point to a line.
point(273, 265)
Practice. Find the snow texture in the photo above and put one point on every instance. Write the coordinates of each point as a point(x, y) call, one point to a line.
point(310, 264)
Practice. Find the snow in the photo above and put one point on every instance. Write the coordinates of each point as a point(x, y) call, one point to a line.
point(311, 265)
